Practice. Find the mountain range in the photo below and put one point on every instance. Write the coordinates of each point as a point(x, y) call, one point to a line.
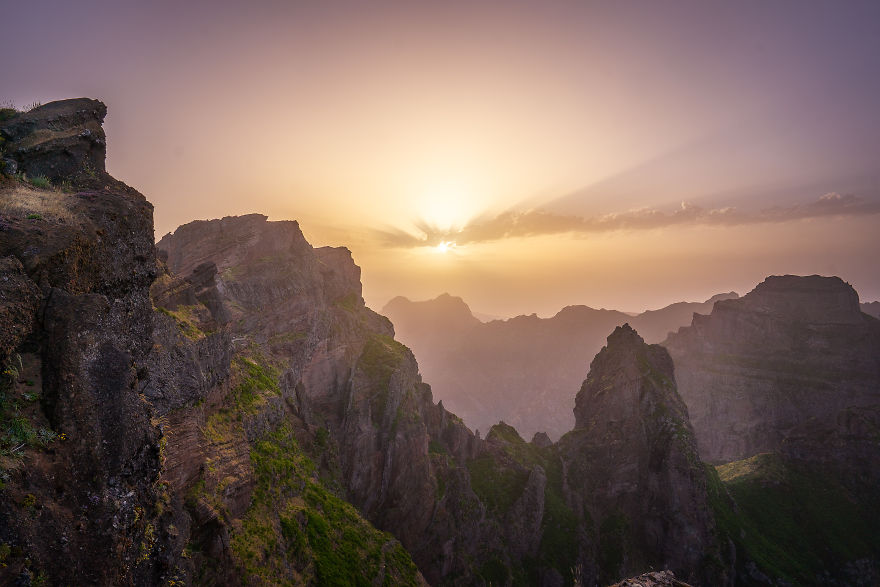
point(520, 370)
point(221, 407)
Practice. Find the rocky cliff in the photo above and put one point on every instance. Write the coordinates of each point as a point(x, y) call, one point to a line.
point(783, 387)
point(499, 510)
point(140, 444)
point(631, 465)
point(794, 349)
point(80, 457)
point(348, 393)
point(224, 409)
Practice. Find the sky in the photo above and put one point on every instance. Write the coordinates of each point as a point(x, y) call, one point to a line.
point(522, 155)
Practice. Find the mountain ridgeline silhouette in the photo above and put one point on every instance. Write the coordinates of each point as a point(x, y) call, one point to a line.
point(520, 370)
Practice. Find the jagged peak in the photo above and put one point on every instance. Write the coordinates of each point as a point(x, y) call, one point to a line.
point(541, 440)
point(731, 295)
point(624, 335)
point(625, 359)
point(504, 432)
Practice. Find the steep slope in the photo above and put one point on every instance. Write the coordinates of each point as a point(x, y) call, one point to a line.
point(228, 411)
point(79, 456)
point(794, 349)
point(139, 445)
point(346, 390)
point(631, 466)
point(791, 521)
point(520, 370)
point(305, 354)
point(785, 382)
point(498, 511)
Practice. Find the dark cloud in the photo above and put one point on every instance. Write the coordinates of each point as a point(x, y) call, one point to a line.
point(513, 224)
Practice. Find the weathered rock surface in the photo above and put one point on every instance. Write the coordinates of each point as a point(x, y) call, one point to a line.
point(341, 372)
point(79, 488)
point(794, 349)
point(147, 445)
point(62, 141)
point(631, 463)
point(19, 299)
point(652, 579)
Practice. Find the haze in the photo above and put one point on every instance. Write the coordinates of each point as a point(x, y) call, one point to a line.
point(524, 156)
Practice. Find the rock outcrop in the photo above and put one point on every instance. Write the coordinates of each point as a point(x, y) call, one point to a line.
point(61, 141)
point(783, 389)
point(631, 464)
point(354, 395)
point(794, 349)
point(652, 579)
point(146, 445)
point(80, 454)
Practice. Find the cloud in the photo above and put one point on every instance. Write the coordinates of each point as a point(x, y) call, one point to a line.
point(513, 224)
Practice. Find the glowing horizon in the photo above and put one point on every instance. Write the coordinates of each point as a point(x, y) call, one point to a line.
point(609, 154)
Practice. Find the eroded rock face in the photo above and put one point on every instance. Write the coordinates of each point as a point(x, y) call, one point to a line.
point(86, 477)
point(632, 463)
point(62, 140)
point(19, 299)
point(216, 404)
point(341, 373)
point(792, 350)
point(652, 579)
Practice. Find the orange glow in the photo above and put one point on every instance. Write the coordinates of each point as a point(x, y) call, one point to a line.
point(428, 118)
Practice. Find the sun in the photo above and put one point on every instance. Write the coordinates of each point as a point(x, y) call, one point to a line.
point(444, 247)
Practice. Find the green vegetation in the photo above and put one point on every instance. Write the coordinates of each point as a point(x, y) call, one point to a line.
point(296, 531)
point(41, 181)
point(494, 572)
point(187, 320)
point(381, 357)
point(436, 447)
point(350, 302)
point(255, 378)
point(497, 486)
point(559, 540)
point(34, 216)
point(559, 544)
point(17, 428)
point(7, 113)
point(794, 523)
point(505, 433)
point(321, 437)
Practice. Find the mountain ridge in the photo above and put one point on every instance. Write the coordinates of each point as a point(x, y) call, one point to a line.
point(225, 409)
point(538, 360)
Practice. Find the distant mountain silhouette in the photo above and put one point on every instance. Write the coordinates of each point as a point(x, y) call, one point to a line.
point(871, 309)
point(521, 370)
